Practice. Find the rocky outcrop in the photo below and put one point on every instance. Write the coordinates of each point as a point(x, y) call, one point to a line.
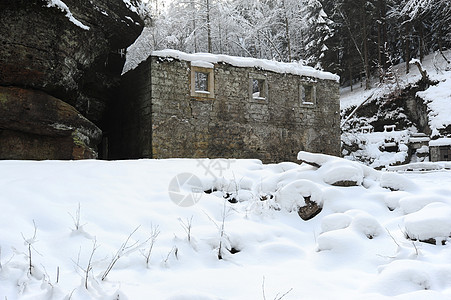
point(68, 49)
point(34, 125)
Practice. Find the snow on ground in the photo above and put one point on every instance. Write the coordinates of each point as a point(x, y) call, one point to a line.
point(372, 147)
point(438, 99)
point(355, 248)
point(438, 69)
point(371, 144)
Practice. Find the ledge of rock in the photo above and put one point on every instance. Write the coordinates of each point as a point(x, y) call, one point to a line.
point(35, 125)
point(68, 48)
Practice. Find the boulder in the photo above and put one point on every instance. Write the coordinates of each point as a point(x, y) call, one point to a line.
point(35, 125)
point(310, 210)
point(71, 50)
point(68, 49)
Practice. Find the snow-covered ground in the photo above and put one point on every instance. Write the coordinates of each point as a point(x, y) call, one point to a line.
point(437, 99)
point(355, 248)
point(437, 68)
point(373, 144)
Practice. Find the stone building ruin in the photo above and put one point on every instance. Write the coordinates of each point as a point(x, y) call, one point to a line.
point(440, 149)
point(203, 105)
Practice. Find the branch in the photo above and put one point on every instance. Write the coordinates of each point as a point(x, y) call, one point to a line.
point(89, 266)
point(124, 249)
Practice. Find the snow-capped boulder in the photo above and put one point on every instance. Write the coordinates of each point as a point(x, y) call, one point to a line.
point(335, 221)
point(396, 182)
point(431, 223)
point(302, 195)
point(367, 224)
point(337, 171)
point(342, 173)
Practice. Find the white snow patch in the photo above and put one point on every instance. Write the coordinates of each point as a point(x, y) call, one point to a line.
point(337, 171)
point(202, 64)
point(367, 224)
point(264, 64)
point(64, 8)
point(396, 182)
point(336, 255)
point(421, 166)
point(372, 144)
point(130, 6)
point(335, 221)
point(441, 141)
point(411, 204)
point(437, 68)
point(331, 166)
point(412, 278)
point(432, 221)
point(291, 196)
point(438, 99)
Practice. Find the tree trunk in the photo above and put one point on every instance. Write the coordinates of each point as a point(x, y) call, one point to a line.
point(384, 34)
point(350, 76)
point(208, 26)
point(440, 43)
point(193, 7)
point(287, 32)
point(365, 48)
point(421, 30)
point(407, 43)
point(381, 39)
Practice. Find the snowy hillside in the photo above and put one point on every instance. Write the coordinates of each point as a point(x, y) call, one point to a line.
point(67, 224)
point(388, 102)
point(438, 69)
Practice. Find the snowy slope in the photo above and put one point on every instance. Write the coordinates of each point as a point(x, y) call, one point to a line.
point(438, 69)
point(356, 248)
point(437, 99)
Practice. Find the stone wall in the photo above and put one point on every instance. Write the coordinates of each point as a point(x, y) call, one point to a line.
point(230, 125)
point(440, 153)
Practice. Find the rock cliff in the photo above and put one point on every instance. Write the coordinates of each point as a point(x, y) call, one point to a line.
point(67, 53)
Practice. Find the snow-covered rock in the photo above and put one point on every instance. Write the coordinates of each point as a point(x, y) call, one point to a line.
point(396, 182)
point(335, 221)
point(338, 171)
point(291, 196)
point(431, 222)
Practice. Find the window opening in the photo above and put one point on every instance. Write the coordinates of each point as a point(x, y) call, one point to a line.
point(258, 89)
point(201, 82)
point(308, 94)
point(258, 86)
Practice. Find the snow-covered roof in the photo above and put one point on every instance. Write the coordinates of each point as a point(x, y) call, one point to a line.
point(440, 142)
point(419, 139)
point(264, 64)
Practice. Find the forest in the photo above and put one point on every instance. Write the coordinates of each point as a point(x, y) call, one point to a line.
point(356, 39)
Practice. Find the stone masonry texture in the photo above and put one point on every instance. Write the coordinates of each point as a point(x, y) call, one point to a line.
point(156, 116)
